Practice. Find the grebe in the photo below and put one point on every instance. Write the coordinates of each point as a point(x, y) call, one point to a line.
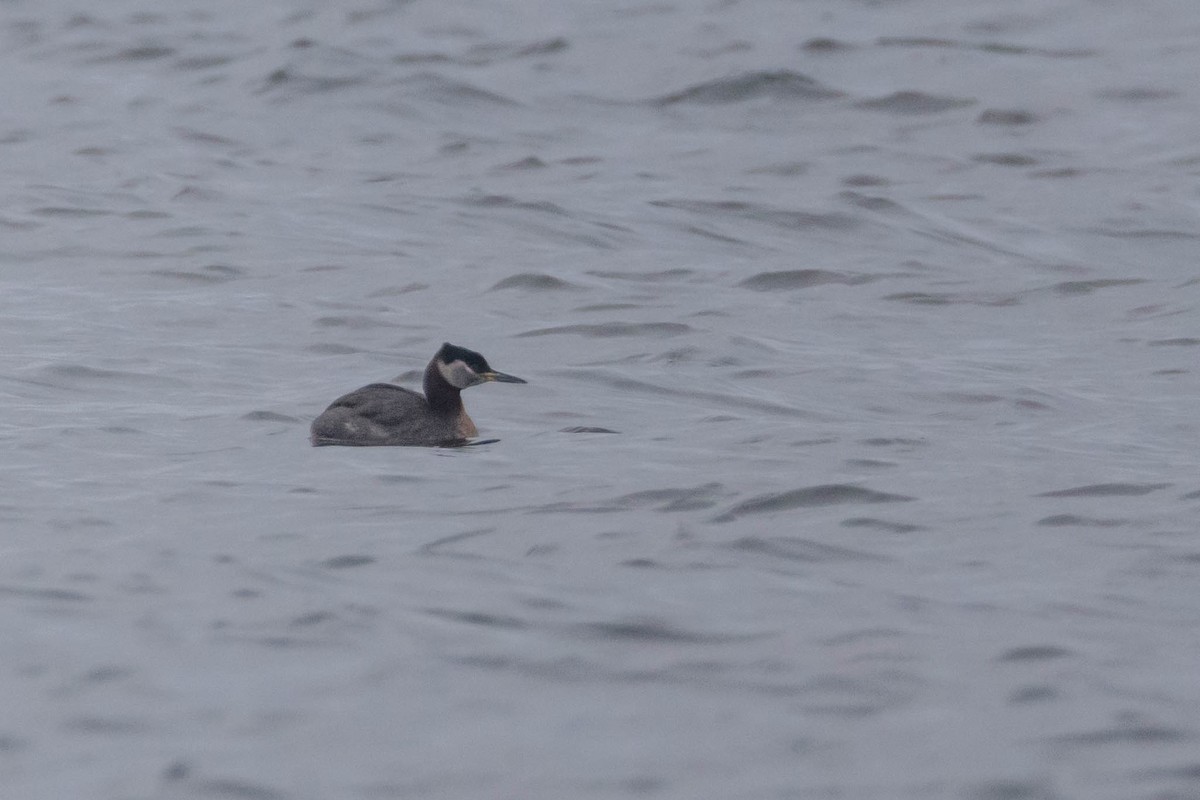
point(387, 414)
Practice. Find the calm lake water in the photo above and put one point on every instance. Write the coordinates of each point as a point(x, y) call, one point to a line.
point(859, 455)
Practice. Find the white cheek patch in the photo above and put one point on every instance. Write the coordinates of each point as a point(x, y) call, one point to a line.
point(457, 374)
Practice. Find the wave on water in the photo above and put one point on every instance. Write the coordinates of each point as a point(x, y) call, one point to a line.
point(778, 85)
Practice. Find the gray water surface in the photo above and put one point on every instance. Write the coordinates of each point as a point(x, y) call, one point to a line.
point(858, 457)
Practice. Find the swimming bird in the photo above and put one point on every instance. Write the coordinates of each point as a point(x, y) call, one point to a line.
point(387, 414)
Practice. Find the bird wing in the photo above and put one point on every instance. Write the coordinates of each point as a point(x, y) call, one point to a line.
point(383, 403)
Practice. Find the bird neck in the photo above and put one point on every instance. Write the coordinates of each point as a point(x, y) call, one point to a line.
point(440, 395)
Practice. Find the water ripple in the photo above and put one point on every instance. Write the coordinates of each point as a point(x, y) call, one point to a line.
point(624, 383)
point(809, 497)
point(778, 217)
point(69, 376)
point(609, 329)
point(784, 280)
point(534, 282)
point(664, 500)
point(67, 595)
point(1000, 48)
point(1108, 490)
point(1036, 652)
point(795, 549)
point(654, 630)
point(913, 103)
point(781, 85)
